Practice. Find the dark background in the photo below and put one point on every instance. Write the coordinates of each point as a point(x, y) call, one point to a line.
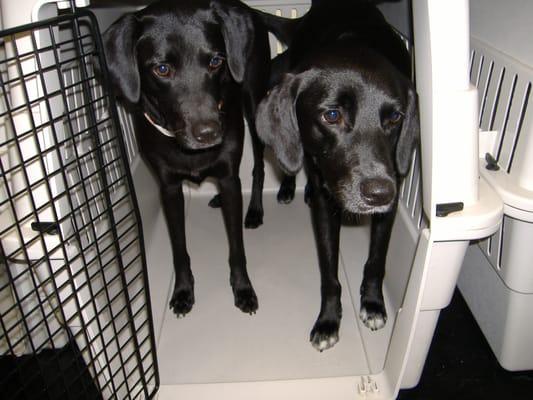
point(461, 365)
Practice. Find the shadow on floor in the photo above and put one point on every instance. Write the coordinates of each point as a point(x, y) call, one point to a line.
point(58, 374)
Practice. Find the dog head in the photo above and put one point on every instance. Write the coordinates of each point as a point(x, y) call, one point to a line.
point(177, 61)
point(357, 121)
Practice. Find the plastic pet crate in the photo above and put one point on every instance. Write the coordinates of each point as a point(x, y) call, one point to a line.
point(219, 352)
point(497, 278)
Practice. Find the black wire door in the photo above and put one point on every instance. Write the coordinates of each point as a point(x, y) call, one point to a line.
point(75, 317)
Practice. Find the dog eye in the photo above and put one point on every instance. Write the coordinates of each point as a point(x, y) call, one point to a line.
point(216, 62)
point(162, 70)
point(395, 117)
point(332, 116)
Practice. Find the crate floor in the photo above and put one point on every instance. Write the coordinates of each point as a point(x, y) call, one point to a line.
point(459, 366)
point(218, 343)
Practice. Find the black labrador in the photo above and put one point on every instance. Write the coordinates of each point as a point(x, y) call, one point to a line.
point(188, 69)
point(345, 108)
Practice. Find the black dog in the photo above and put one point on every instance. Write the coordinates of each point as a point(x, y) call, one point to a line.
point(187, 69)
point(348, 111)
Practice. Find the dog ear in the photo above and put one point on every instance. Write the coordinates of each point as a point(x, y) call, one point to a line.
point(238, 32)
point(409, 134)
point(277, 124)
point(119, 41)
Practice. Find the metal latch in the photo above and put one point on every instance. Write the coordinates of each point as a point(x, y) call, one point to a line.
point(51, 228)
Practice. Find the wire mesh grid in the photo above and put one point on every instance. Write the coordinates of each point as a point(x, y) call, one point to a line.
point(72, 262)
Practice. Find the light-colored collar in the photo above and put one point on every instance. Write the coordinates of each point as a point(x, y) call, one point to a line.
point(164, 131)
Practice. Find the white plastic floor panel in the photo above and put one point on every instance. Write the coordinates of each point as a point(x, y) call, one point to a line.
point(218, 343)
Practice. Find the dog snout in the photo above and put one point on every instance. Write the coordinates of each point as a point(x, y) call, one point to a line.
point(208, 133)
point(377, 191)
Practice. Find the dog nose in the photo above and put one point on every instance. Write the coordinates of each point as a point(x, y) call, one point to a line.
point(377, 191)
point(208, 133)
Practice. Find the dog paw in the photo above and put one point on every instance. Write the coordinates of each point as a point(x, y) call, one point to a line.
point(324, 335)
point(215, 202)
point(254, 218)
point(285, 194)
point(373, 315)
point(246, 300)
point(286, 189)
point(182, 301)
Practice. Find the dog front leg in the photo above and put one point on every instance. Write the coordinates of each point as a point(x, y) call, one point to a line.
point(254, 215)
point(182, 298)
point(373, 313)
point(231, 197)
point(326, 223)
point(287, 189)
